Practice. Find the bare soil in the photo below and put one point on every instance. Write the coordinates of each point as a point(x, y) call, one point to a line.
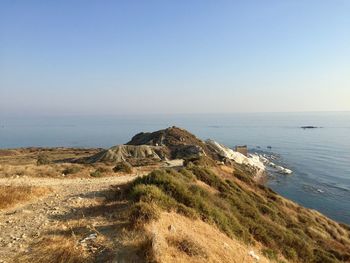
point(55, 212)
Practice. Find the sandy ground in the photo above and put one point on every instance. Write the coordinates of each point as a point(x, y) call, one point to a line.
point(25, 223)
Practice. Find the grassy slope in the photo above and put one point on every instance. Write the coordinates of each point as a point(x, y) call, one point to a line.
point(243, 210)
point(176, 238)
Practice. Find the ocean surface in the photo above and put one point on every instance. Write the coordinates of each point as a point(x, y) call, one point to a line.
point(319, 158)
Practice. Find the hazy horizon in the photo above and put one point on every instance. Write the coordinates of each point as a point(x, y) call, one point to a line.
point(181, 57)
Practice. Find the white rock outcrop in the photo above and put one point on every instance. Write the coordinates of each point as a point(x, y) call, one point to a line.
point(252, 159)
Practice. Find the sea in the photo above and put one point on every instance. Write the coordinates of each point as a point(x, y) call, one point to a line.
point(319, 158)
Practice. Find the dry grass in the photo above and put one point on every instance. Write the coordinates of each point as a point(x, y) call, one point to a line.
point(193, 241)
point(188, 246)
point(13, 195)
point(23, 162)
point(56, 249)
point(31, 170)
point(22, 156)
point(54, 170)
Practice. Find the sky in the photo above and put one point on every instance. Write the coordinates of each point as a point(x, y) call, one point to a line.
point(185, 56)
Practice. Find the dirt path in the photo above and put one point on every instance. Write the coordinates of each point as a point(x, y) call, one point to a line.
point(21, 225)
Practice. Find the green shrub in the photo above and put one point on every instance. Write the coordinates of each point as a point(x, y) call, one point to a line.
point(265, 210)
point(99, 172)
point(96, 173)
point(43, 159)
point(186, 211)
point(123, 167)
point(103, 170)
point(188, 174)
point(269, 253)
point(152, 193)
point(71, 170)
point(208, 177)
point(142, 213)
point(244, 178)
point(290, 253)
point(324, 257)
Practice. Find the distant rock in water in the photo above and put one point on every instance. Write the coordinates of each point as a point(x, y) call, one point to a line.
point(309, 127)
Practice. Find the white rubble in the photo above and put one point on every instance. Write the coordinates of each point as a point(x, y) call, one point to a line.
point(283, 170)
point(277, 168)
point(259, 162)
point(253, 255)
point(90, 237)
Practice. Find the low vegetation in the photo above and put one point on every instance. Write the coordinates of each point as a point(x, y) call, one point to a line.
point(142, 213)
point(71, 170)
point(123, 167)
point(13, 195)
point(43, 159)
point(243, 210)
point(188, 246)
point(57, 249)
point(100, 171)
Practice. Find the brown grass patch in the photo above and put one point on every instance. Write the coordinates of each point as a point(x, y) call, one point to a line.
point(188, 246)
point(56, 249)
point(12, 195)
point(194, 241)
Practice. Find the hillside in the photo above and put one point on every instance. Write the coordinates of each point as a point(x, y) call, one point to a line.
point(181, 143)
point(244, 211)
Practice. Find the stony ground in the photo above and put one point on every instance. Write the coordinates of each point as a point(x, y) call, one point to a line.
point(24, 224)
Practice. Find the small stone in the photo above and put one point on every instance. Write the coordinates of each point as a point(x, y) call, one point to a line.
point(253, 255)
point(171, 228)
point(90, 237)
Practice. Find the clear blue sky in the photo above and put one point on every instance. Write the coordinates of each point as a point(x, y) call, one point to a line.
point(181, 56)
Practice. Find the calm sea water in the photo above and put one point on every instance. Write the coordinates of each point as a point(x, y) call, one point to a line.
point(320, 158)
